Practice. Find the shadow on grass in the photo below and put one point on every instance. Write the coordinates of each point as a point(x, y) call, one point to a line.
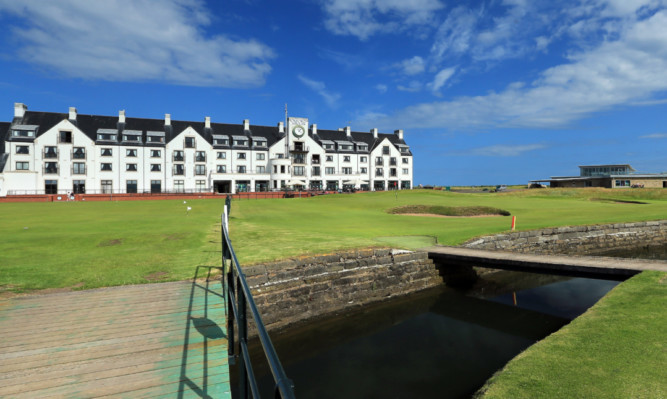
point(204, 369)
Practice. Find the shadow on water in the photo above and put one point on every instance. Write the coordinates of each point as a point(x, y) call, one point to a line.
point(202, 352)
point(439, 343)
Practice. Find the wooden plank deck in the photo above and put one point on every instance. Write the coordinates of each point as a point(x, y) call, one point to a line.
point(591, 266)
point(147, 341)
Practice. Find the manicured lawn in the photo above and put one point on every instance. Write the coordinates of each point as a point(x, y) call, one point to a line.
point(617, 349)
point(85, 245)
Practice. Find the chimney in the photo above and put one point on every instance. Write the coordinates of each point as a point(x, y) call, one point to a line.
point(167, 119)
point(246, 124)
point(72, 113)
point(375, 133)
point(207, 122)
point(121, 116)
point(281, 127)
point(313, 127)
point(348, 132)
point(19, 110)
point(399, 133)
point(340, 129)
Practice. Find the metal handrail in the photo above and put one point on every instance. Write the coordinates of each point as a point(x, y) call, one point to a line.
point(239, 299)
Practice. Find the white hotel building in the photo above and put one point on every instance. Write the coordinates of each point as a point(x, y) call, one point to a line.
point(58, 153)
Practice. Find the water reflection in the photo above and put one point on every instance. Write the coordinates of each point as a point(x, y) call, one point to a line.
point(440, 343)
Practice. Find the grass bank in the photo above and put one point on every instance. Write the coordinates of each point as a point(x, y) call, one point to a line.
point(92, 244)
point(617, 349)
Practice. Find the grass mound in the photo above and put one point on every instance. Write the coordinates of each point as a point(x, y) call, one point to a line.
point(448, 210)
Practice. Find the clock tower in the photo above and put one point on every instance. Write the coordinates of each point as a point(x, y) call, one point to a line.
point(297, 129)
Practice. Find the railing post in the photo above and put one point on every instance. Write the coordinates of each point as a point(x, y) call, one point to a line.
point(243, 339)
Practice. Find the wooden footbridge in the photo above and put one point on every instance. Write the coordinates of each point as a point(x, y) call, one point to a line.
point(583, 266)
point(146, 341)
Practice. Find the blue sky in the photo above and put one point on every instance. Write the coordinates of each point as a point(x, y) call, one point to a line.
point(487, 92)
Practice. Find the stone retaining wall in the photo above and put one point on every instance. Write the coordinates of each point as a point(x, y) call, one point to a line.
point(576, 240)
point(294, 290)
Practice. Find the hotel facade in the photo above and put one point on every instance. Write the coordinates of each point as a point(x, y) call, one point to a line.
point(60, 153)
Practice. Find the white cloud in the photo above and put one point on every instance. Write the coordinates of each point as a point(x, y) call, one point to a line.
point(364, 18)
point(382, 88)
point(413, 87)
point(441, 78)
point(500, 150)
point(412, 66)
point(654, 136)
point(320, 88)
point(149, 40)
point(625, 69)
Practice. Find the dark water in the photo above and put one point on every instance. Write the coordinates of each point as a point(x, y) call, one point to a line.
point(442, 343)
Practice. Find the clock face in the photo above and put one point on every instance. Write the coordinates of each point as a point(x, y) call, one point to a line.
point(298, 131)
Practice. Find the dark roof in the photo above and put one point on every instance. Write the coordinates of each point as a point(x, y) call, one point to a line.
point(90, 124)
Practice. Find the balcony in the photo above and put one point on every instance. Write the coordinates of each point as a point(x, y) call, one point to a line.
point(298, 147)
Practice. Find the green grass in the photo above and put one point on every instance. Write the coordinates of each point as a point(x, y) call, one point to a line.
point(617, 349)
point(94, 244)
point(448, 210)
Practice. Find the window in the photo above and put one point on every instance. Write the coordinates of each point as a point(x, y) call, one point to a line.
point(392, 161)
point(79, 186)
point(156, 167)
point(131, 152)
point(189, 142)
point(316, 159)
point(330, 171)
point(221, 155)
point(347, 171)
point(22, 165)
point(156, 153)
point(282, 168)
point(364, 170)
point(107, 186)
point(363, 159)
point(241, 143)
point(259, 143)
point(379, 172)
point(392, 172)
point(200, 170)
point(406, 171)
point(346, 158)
point(179, 170)
point(179, 186)
point(51, 167)
point(200, 185)
point(622, 183)
point(363, 147)
point(23, 133)
point(50, 152)
point(260, 156)
point(22, 149)
point(405, 160)
point(79, 153)
point(329, 158)
point(298, 158)
point(299, 171)
point(106, 167)
point(131, 186)
point(131, 167)
point(200, 156)
point(178, 156)
point(64, 137)
point(131, 137)
point(378, 160)
point(78, 168)
point(316, 170)
point(328, 146)
point(345, 147)
point(50, 186)
point(404, 149)
point(106, 152)
point(106, 137)
point(240, 155)
point(261, 169)
point(155, 139)
point(156, 186)
point(240, 169)
point(221, 169)
point(220, 141)
point(385, 150)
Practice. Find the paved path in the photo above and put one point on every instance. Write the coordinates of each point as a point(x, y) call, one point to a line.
point(157, 340)
point(593, 266)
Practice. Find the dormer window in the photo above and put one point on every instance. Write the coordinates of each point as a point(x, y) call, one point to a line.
point(106, 137)
point(328, 146)
point(220, 140)
point(155, 137)
point(362, 147)
point(23, 133)
point(240, 141)
point(131, 137)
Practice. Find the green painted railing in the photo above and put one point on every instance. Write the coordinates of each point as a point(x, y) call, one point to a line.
point(239, 300)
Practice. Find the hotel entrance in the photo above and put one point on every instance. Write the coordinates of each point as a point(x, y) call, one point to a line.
point(222, 186)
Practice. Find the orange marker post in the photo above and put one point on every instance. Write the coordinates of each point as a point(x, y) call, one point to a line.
point(513, 222)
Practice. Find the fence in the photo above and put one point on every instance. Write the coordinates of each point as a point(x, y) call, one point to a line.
point(239, 300)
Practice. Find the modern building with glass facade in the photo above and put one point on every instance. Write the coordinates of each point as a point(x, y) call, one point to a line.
point(58, 153)
point(608, 176)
